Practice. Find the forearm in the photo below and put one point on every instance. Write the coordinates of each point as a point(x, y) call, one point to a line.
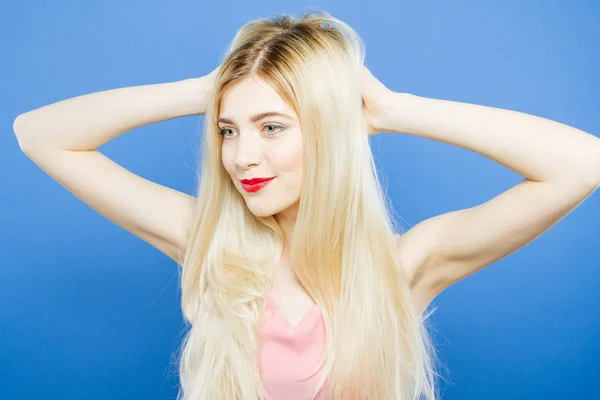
point(88, 121)
point(537, 148)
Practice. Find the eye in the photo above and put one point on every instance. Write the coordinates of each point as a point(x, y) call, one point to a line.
point(222, 132)
point(270, 132)
point(276, 126)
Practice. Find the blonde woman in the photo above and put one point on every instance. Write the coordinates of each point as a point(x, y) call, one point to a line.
point(295, 281)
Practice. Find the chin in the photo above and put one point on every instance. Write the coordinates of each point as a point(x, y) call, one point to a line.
point(260, 212)
point(263, 214)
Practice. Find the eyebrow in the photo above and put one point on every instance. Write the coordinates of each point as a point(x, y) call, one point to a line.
point(257, 117)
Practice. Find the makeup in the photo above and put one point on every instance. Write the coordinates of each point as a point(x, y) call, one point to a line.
point(254, 185)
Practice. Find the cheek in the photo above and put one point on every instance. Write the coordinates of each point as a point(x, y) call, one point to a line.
point(228, 162)
point(289, 157)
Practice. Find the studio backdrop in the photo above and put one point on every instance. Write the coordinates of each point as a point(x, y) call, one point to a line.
point(89, 311)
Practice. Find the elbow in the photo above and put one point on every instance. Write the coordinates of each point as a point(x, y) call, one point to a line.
point(19, 130)
point(17, 124)
point(23, 131)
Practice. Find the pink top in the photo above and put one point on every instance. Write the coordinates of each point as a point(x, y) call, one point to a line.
point(288, 353)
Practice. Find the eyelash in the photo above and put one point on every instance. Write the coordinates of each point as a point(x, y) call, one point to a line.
point(222, 131)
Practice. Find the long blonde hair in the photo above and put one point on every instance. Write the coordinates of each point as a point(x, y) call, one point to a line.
point(343, 248)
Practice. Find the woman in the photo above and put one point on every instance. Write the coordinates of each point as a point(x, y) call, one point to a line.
point(298, 286)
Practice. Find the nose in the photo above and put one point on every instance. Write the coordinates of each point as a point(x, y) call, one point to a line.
point(249, 151)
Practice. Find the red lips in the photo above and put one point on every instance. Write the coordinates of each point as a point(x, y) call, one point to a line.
point(254, 181)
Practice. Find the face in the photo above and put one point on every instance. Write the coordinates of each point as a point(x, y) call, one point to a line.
point(257, 146)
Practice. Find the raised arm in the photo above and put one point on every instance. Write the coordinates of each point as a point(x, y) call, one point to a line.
point(560, 165)
point(61, 138)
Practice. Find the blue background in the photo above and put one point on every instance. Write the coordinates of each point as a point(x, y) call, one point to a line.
point(89, 311)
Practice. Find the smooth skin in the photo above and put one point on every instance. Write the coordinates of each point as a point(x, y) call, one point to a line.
point(561, 165)
point(61, 138)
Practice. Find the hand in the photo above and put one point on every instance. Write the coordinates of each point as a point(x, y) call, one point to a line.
point(210, 78)
point(202, 90)
point(373, 94)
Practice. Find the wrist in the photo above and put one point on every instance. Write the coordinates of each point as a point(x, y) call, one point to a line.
point(392, 111)
point(195, 92)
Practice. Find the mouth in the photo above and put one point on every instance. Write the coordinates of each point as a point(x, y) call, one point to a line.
point(256, 184)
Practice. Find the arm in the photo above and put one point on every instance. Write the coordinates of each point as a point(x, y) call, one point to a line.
point(62, 138)
point(561, 166)
point(537, 148)
point(88, 121)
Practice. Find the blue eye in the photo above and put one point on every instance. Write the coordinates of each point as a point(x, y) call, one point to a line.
point(271, 133)
point(276, 126)
point(222, 131)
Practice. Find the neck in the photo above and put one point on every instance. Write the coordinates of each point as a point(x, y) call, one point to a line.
point(287, 221)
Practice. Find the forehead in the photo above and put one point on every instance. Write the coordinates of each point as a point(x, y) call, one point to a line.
point(252, 96)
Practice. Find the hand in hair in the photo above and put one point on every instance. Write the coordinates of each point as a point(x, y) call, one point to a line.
point(205, 86)
point(374, 94)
